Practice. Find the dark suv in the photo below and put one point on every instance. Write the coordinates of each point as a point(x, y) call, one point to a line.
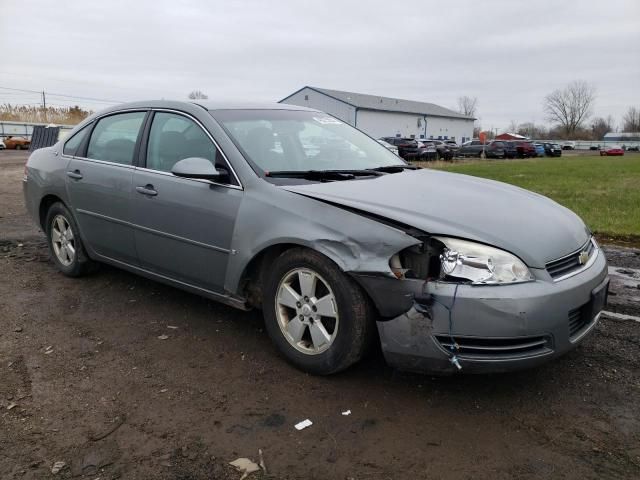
point(407, 147)
point(445, 152)
point(552, 149)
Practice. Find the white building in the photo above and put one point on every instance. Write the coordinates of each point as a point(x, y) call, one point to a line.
point(386, 117)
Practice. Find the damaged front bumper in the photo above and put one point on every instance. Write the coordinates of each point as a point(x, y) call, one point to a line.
point(487, 328)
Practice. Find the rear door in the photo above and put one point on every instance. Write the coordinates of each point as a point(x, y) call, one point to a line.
point(99, 186)
point(183, 226)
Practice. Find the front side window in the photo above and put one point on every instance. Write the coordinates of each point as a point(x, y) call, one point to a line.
point(292, 140)
point(174, 137)
point(114, 138)
point(71, 146)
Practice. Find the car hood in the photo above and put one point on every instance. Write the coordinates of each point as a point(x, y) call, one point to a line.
point(531, 226)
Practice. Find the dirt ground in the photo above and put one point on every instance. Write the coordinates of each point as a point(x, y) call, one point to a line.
point(121, 377)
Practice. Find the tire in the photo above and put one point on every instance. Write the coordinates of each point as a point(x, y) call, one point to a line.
point(350, 333)
point(74, 261)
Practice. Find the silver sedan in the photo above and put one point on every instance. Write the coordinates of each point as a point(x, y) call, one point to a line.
point(339, 241)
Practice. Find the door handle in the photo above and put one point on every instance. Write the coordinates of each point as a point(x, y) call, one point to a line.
point(76, 175)
point(147, 190)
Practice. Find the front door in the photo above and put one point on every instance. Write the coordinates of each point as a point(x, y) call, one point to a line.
point(183, 226)
point(99, 186)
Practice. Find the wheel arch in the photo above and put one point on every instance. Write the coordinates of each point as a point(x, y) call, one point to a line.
point(45, 205)
point(253, 277)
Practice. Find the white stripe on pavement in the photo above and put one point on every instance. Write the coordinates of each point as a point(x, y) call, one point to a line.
point(620, 316)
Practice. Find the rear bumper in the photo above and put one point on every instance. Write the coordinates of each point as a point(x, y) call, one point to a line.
point(495, 328)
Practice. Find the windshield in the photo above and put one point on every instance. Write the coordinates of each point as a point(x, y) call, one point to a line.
point(293, 140)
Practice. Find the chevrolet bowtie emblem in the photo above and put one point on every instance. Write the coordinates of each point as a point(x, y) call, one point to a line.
point(583, 257)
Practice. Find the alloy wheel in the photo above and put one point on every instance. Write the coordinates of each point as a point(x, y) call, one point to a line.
point(306, 311)
point(63, 240)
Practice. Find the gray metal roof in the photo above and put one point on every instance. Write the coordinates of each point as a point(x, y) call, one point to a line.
point(387, 104)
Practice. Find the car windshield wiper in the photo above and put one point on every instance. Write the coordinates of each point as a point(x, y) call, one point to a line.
point(323, 174)
point(394, 168)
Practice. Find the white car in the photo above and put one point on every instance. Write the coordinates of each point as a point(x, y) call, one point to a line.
point(569, 145)
point(2, 145)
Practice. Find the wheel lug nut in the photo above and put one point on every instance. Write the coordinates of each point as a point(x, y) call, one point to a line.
point(314, 308)
point(306, 299)
point(298, 304)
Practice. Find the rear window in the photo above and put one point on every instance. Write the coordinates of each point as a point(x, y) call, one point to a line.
point(71, 146)
point(114, 138)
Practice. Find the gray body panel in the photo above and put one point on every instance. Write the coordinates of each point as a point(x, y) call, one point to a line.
point(202, 236)
point(540, 308)
point(524, 223)
point(185, 230)
point(101, 201)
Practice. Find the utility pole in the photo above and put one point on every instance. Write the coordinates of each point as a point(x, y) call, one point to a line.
point(44, 105)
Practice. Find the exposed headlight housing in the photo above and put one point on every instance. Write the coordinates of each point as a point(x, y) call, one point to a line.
point(480, 264)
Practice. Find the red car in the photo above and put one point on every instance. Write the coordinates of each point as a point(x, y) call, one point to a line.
point(611, 151)
point(524, 149)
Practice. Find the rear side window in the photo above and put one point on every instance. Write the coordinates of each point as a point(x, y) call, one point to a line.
point(71, 146)
point(114, 138)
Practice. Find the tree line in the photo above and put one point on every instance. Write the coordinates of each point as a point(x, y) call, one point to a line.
point(570, 112)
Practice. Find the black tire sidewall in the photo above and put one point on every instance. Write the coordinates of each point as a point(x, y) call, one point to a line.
point(81, 261)
point(354, 327)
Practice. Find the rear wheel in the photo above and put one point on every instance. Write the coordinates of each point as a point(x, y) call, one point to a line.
point(64, 241)
point(318, 318)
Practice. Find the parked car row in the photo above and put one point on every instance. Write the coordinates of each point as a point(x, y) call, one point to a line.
point(508, 149)
point(428, 149)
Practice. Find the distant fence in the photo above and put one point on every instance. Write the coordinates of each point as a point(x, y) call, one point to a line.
point(586, 144)
point(25, 129)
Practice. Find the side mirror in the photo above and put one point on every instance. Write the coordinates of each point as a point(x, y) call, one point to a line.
point(196, 167)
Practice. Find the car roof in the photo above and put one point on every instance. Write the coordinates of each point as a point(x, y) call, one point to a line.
point(207, 105)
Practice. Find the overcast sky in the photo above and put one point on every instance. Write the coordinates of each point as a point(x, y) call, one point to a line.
point(509, 54)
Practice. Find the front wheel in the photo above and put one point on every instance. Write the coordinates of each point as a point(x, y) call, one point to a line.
point(318, 318)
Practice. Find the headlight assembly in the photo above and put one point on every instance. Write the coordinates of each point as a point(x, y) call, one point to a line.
point(480, 264)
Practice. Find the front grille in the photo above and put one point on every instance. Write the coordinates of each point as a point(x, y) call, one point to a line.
point(495, 348)
point(571, 263)
point(578, 319)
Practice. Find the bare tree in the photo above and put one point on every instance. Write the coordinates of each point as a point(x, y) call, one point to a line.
point(198, 95)
point(601, 126)
point(571, 106)
point(468, 105)
point(513, 127)
point(531, 130)
point(631, 120)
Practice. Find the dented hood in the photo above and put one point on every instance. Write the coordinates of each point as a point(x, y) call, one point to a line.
point(531, 226)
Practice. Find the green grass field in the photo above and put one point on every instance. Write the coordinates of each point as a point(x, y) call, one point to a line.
point(604, 191)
